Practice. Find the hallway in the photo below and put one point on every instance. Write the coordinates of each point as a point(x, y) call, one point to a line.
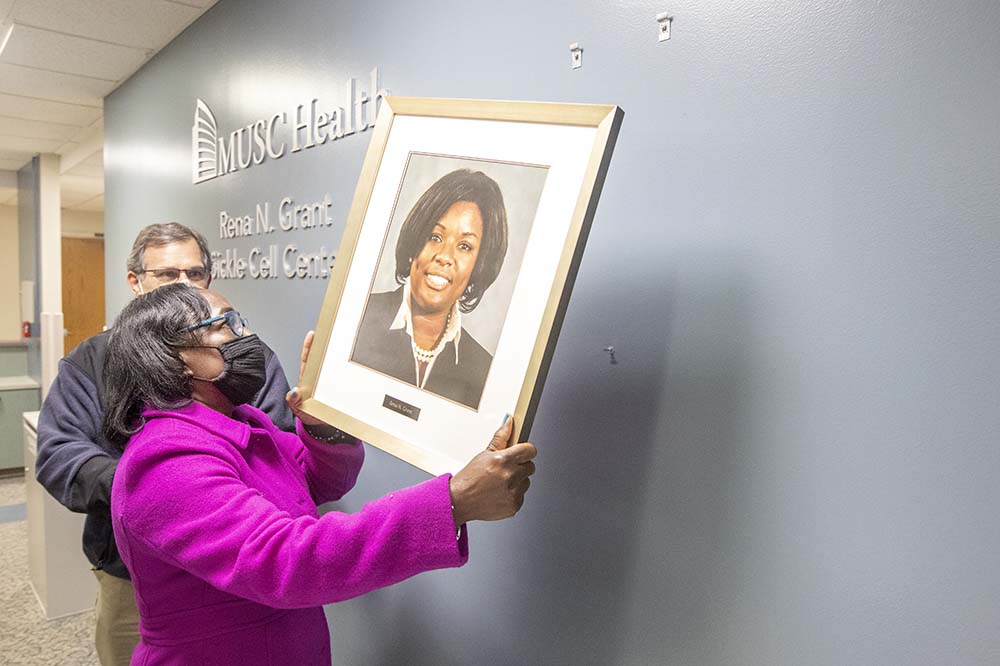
point(26, 637)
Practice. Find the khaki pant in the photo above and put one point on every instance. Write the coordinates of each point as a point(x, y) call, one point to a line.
point(117, 618)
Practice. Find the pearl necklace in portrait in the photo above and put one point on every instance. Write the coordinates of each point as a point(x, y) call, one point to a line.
point(427, 355)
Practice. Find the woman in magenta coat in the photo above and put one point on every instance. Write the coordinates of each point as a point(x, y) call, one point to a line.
point(214, 508)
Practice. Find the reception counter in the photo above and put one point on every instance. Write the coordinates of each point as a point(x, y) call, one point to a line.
point(18, 394)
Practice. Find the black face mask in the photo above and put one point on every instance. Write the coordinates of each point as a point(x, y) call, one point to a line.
point(245, 371)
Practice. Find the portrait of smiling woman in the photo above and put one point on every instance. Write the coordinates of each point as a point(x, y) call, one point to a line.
point(450, 250)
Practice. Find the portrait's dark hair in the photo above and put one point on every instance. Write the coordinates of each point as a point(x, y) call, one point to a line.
point(462, 185)
point(158, 235)
point(143, 365)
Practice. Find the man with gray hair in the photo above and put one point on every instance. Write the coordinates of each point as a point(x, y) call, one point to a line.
point(76, 463)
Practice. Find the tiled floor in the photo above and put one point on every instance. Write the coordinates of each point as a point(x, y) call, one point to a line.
point(11, 490)
point(26, 637)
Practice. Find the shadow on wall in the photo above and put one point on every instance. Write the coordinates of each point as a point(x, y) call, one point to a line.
point(602, 427)
point(687, 523)
point(641, 520)
point(631, 495)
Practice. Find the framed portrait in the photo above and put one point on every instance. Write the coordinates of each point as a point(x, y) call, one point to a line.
point(454, 272)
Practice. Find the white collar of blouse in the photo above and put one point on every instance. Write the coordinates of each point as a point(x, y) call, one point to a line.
point(404, 320)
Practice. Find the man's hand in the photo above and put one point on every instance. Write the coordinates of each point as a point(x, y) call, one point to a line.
point(493, 484)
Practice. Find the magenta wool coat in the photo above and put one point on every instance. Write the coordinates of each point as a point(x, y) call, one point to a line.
point(216, 519)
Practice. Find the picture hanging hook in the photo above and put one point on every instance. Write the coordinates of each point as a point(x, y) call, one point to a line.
point(611, 352)
point(663, 20)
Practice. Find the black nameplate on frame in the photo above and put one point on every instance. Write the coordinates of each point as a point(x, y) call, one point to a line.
point(400, 407)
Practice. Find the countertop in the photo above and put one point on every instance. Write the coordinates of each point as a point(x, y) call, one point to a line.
point(17, 383)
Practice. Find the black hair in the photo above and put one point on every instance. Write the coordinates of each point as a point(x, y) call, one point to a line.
point(461, 185)
point(143, 365)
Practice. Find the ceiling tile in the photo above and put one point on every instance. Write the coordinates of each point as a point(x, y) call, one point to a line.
point(10, 163)
point(148, 24)
point(81, 134)
point(71, 199)
point(203, 4)
point(29, 82)
point(13, 106)
point(89, 170)
point(57, 52)
point(5, 6)
point(32, 146)
point(34, 129)
point(97, 203)
point(81, 184)
point(68, 152)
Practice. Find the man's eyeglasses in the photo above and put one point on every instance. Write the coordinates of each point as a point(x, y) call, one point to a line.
point(236, 323)
point(168, 275)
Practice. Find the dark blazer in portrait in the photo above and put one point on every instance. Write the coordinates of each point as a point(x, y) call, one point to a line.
point(390, 352)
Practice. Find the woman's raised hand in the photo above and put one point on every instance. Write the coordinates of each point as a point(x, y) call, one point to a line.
point(293, 397)
point(492, 485)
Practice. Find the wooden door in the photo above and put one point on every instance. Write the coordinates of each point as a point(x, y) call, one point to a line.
point(82, 289)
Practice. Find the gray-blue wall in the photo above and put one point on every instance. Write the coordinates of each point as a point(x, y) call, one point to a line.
point(797, 259)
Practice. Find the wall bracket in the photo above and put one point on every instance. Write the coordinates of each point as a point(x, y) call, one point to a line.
point(664, 20)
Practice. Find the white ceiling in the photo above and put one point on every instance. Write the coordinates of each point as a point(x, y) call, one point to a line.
point(60, 60)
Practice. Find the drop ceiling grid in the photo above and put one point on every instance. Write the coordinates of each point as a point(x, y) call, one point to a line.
point(142, 24)
point(48, 111)
point(34, 129)
point(59, 52)
point(62, 59)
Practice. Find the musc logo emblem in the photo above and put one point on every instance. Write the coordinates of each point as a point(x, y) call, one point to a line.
point(214, 156)
point(204, 143)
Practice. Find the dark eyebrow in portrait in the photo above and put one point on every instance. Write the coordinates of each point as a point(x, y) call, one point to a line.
point(467, 233)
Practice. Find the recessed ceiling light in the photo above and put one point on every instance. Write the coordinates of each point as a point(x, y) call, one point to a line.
point(6, 36)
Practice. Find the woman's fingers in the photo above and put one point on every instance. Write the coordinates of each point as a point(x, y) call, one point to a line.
point(521, 474)
point(295, 400)
point(521, 453)
point(306, 346)
point(501, 438)
point(492, 485)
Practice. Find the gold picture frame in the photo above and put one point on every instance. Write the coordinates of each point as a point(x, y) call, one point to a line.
point(509, 138)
